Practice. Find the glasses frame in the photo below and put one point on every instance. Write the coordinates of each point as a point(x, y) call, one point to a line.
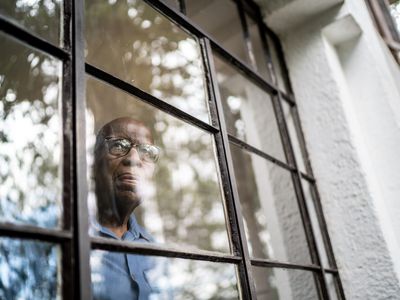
point(132, 145)
point(74, 238)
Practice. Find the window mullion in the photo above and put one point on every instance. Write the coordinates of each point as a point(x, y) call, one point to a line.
point(229, 183)
point(246, 34)
point(81, 247)
point(305, 216)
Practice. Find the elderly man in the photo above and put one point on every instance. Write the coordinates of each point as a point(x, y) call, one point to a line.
point(124, 159)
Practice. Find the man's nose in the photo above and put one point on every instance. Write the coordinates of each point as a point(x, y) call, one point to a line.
point(132, 158)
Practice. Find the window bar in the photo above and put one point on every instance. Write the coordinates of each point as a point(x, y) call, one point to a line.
point(161, 250)
point(289, 99)
point(182, 6)
point(33, 232)
point(67, 278)
point(325, 236)
point(66, 108)
point(283, 265)
point(250, 7)
point(296, 120)
point(265, 47)
point(67, 267)
point(244, 145)
point(81, 247)
point(246, 34)
point(228, 180)
point(224, 175)
point(308, 177)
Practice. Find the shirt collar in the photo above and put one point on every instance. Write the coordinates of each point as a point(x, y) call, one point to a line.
point(134, 232)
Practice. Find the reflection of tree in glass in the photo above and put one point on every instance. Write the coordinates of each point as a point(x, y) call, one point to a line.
point(29, 135)
point(23, 275)
point(135, 43)
point(39, 16)
point(29, 151)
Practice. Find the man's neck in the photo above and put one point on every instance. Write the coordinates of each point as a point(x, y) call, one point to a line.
point(118, 230)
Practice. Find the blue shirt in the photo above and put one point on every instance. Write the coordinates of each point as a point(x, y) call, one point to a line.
point(117, 275)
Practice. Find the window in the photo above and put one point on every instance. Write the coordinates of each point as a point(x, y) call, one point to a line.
point(216, 200)
point(387, 17)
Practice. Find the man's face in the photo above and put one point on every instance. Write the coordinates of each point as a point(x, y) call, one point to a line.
point(121, 169)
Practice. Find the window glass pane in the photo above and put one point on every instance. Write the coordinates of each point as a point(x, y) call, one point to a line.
point(179, 195)
point(221, 20)
point(331, 283)
point(23, 275)
point(248, 111)
point(282, 284)
point(257, 49)
point(30, 159)
point(273, 224)
point(134, 42)
point(287, 111)
point(40, 17)
point(278, 69)
point(125, 276)
point(309, 194)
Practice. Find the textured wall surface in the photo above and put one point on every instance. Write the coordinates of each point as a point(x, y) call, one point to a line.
point(348, 89)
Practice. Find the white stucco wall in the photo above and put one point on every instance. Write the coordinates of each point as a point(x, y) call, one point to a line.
point(347, 87)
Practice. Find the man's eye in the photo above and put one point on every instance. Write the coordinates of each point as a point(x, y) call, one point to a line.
point(148, 152)
point(118, 147)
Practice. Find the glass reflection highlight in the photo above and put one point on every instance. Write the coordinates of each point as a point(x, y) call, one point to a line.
point(281, 284)
point(248, 111)
point(181, 203)
point(29, 270)
point(30, 126)
point(294, 137)
point(273, 224)
point(331, 282)
point(310, 198)
point(134, 42)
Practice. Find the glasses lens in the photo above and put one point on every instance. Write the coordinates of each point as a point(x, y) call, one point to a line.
point(148, 152)
point(119, 147)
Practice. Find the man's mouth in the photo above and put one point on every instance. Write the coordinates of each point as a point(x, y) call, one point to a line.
point(127, 180)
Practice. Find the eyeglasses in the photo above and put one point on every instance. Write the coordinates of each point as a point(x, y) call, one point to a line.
point(119, 147)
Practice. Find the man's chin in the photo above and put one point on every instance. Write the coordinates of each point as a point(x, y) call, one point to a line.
point(130, 199)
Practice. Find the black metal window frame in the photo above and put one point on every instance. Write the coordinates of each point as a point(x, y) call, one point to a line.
point(380, 10)
point(74, 238)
